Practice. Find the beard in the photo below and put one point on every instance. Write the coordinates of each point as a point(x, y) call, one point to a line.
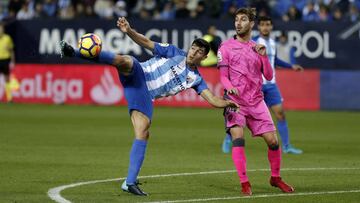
point(265, 34)
point(244, 31)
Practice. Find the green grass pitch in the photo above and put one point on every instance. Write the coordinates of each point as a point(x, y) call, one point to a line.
point(42, 147)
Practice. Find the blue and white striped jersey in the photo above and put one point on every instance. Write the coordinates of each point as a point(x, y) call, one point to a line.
point(167, 73)
point(270, 45)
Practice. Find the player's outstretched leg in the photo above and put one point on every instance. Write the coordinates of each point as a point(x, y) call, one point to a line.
point(227, 143)
point(66, 50)
point(106, 57)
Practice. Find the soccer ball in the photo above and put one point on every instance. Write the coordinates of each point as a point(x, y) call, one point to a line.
point(90, 45)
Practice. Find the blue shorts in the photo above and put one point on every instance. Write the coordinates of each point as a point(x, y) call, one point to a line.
point(136, 92)
point(272, 95)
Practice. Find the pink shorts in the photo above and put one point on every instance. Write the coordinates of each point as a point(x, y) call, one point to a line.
point(257, 118)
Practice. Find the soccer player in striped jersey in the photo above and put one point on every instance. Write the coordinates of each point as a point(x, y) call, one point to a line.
point(242, 66)
point(270, 89)
point(169, 72)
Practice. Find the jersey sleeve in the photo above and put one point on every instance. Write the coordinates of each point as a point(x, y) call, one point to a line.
point(201, 86)
point(167, 50)
point(223, 65)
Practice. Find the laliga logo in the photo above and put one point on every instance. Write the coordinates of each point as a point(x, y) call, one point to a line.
point(106, 92)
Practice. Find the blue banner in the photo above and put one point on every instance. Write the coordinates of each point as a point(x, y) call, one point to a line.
point(318, 45)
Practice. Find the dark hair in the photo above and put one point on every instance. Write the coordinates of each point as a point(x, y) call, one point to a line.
point(250, 12)
point(203, 44)
point(264, 18)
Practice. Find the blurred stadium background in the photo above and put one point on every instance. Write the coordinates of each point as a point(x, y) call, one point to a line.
point(44, 144)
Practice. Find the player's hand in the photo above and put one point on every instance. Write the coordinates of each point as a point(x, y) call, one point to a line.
point(233, 91)
point(232, 105)
point(123, 24)
point(260, 49)
point(296, 67)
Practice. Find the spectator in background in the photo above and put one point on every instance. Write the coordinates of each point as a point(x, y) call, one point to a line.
point(199, 11)
point(168, 12)
point(233, 3)
point(324, 15)
point(310, 13)
point(66, 9)
point(213, 8)
point(181, 10)
point(104, 9)
point(14, 7)
point(230, 13)
point(337, 15)
point(85, 8)
point(262, 7)
point(293, 14)
point(214, 42)
point(353, 14)
point(7, 60)
point(26, 12)
point(144, 9)
point(3, 13)
point(284, 51)
point(49, 8)
point(120, 9)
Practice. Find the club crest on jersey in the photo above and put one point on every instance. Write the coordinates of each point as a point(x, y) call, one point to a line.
point(189, 79)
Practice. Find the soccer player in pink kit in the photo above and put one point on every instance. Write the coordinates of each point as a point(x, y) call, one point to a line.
point(242, 64)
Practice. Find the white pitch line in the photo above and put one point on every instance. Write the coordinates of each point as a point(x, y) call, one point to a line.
point(54, 193)
point(260, 196)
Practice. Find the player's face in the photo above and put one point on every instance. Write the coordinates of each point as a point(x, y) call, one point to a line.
point(195, 55)
point(265, 28)
point(243, 25)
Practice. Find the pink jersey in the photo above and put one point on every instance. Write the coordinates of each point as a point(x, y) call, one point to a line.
point(242, 68)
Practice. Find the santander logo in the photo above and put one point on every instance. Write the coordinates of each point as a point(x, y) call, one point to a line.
point(106, 92)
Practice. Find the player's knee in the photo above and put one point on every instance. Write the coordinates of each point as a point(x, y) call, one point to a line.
point(238, 142)
point(274, 147)
point(142, 133)
point(280, 116)
point(123, 63)
point(273, 144)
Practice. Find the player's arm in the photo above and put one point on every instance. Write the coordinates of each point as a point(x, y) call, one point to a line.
point(217, 101)
point(223, 65)
point(140, 39)
point(281, 63)
point(266, 66)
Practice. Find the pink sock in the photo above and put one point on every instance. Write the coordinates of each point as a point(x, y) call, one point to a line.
point(275, 162)
point(238, 156)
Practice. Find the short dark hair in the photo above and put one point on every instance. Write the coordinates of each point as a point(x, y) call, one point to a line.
point(264, 18)
point(203, 44)
point(250, 12)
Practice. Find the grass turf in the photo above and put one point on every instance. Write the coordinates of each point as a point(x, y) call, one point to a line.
point(42, 147)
